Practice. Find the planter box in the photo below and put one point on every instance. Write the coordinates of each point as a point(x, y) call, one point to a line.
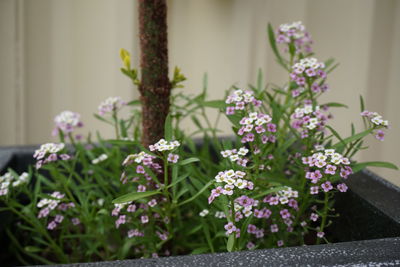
point(367, 232)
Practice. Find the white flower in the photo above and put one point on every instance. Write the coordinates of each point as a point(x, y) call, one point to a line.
point(226, 153)
point(240, 174)
point(243, 151)
point(219, 215)
point(230, 173)
point(241, 183)
point(203, 213)
point(329, 152)
point(234, 157)
point(100, 158)
point(307, 109)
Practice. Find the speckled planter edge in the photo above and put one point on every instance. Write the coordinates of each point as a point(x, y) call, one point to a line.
point(374, 190)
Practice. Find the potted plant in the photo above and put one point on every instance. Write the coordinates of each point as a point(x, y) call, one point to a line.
point(153, 191)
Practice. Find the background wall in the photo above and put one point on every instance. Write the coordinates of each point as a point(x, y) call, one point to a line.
point(58, 55)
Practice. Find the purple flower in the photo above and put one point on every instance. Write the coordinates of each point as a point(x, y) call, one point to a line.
point(271, 127)
point(144, 219)
point(131, 208)
point(314, 190)
point(342, 187)
point(380, 135)
point(285, 214)
point(330, 169)
point(274, 228)
point(52, 225)
point(230, 110)
point(327, 186)
point(250, 245)
point(75, 221)
point(230, 228)
point(320, 234)
point(314, 217)
point(251, 228)
point(59, 218)
point(173, 158)
point(140, 169)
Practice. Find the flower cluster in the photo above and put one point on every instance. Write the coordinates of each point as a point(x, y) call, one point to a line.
point(378, 122)
point(100, 158)
point(308, 118)
point(164, 145)
point(308, 71)
point(137, 215)
point(244, 207)
point(236, 156)
point(67, 121)
point(55, 202)
point(141, 159)
point(256, 123)
point(11, 180)
point(295, 32)
point(231, 179)
point(327, 164)
point(111, 104)
point(240, 99)
point(284, 196)
point(49, 153)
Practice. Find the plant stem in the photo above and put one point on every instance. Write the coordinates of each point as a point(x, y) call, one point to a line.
point(324, 215)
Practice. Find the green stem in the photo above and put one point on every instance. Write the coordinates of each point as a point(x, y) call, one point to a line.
point(324, 215)
point(115, 119)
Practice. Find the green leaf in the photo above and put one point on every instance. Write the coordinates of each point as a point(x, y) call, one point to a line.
point(269, 191)
point(351, 139)
point(134, 102)
point(102, 119)
point(32, 249)
point(187, 161)
point(272, 42)
point(214, 104)
point(200, 250)
point(231, 242)
point(134, 196)
point(259, 80)
point(336, 105)
point(362, 105)
point(168, 128)
point(205, 84)
point(336, 134)
point(381, 164)
point(196, 195)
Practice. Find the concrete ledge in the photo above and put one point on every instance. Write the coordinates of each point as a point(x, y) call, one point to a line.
point(379, 252)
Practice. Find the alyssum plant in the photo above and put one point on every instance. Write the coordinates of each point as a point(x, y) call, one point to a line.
point(270, 186)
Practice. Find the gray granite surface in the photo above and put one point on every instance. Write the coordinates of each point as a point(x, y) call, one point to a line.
point(379, 252)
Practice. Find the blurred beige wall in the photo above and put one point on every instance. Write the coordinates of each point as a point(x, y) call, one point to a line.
point(58, 55)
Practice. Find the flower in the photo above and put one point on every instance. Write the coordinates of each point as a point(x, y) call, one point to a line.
point(49, 153)
point(203, 213)
point(164, 145)
point(380, 135)
point(342, 187)
point(111, 104)
point(314, 217)
point(320, 234)
point(67, 121)
point(9, 180)
point(173, 158)
point(100, 158)
point(327, 186)
point(230, 228)
point(294, 32)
